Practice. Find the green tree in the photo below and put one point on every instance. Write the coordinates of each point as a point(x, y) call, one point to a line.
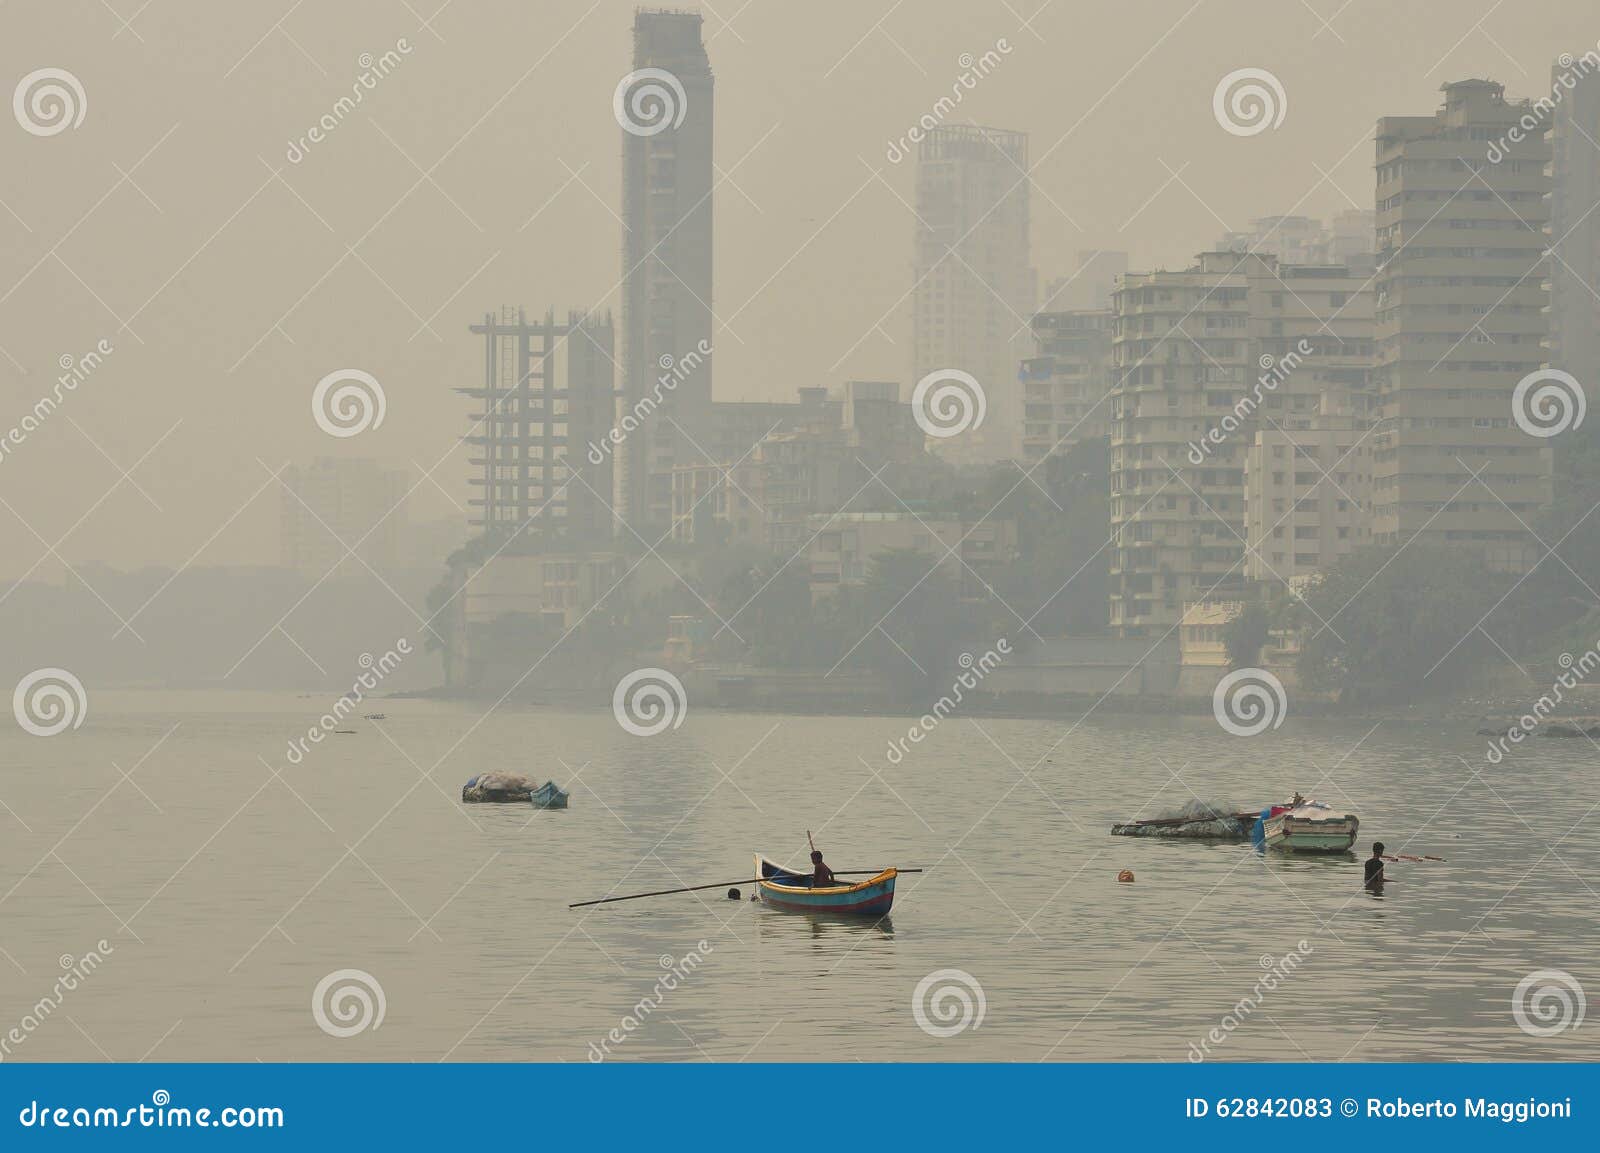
point(1391, 624)
point(1247, 634)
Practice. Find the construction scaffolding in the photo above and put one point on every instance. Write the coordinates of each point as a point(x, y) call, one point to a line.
point(538, 430)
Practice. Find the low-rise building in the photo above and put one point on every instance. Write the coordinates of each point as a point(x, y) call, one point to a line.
point(554, 588)
point(843, 546)
point(712, 504)
point(1201, 642)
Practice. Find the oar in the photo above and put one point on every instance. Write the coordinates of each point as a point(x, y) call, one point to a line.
point(1404, 857)
point(662, 893)
point(722, 885)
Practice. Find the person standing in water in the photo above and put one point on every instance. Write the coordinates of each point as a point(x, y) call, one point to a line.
point(1374, 877)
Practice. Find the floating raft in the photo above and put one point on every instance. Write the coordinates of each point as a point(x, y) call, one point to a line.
point(1214, 826)
point(498, 789)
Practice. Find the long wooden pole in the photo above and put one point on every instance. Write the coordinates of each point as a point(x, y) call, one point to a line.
point(663, 893)
point(722, 885)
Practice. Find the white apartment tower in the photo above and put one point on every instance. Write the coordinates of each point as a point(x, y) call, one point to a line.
point(1205, 361)
point(975, 289)
point(1461, 319)
point(1575, 222)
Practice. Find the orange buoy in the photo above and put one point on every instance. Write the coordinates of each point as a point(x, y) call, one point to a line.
point(1126, 876)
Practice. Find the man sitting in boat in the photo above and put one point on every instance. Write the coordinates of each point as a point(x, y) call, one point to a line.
point(821, 876)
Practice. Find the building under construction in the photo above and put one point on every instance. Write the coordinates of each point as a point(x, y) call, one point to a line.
point(540, 436)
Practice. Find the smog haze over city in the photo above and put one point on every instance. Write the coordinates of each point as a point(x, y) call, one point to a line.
point(453, 455)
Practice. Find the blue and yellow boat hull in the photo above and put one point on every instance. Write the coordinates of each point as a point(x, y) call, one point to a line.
point(785, 889)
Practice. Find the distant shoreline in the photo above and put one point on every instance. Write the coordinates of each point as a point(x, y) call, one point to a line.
point(1014, 706)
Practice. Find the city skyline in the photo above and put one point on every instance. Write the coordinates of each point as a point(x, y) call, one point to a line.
point(1155, 435)
point(63, 303)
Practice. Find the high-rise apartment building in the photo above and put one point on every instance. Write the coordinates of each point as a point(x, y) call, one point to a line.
point(975, 288)
point(1308, 492)
point(1066, 384)
point(666, 258)
point(1575, 223)
point(1203, 360)
point(1461, 319)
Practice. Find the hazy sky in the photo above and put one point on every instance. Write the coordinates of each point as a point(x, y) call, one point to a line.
point(484, 170)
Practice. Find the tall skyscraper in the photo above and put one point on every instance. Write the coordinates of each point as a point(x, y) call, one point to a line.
point(665, 111)
point(975, 288)
point(1575, 227)
point(1460, 321)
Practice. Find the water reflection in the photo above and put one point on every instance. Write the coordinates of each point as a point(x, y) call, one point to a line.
point(781, 925)
point(460, 912)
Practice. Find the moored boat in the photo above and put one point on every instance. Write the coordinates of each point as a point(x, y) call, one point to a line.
point(792, 890)
point(548, 796)
point(1309, 827)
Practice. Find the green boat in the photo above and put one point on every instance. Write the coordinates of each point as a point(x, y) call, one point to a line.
point(1309, 827)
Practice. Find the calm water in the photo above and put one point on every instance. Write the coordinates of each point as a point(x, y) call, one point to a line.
point(228, 893)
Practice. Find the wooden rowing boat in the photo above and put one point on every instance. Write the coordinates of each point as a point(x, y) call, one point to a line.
point(791, 890)
point(1312, 827)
